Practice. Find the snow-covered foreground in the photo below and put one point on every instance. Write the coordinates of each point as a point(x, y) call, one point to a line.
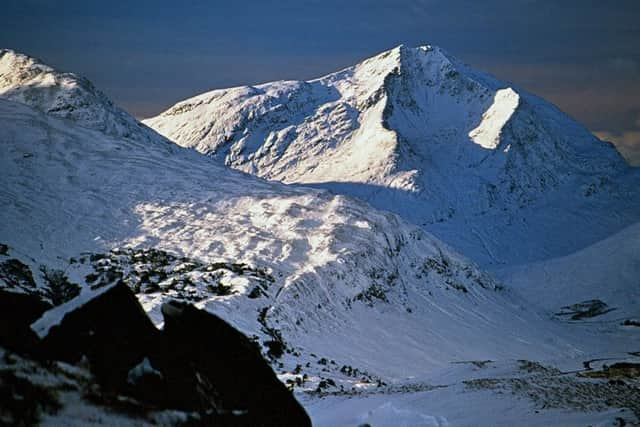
point(499, 397)
point(376, 319)
point(501, 175)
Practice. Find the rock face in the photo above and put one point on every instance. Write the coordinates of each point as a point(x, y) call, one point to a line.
point(111, 331)
point(241, 379)
point(18, 311)
point(491, 169)
point(198, 364)
point(21, 303)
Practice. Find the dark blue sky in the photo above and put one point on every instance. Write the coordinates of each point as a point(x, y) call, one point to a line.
point(583, 55)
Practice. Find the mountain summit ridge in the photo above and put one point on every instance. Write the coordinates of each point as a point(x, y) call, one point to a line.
point(418, 132)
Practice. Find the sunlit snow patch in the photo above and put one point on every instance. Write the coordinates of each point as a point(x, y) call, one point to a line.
point(487, 134)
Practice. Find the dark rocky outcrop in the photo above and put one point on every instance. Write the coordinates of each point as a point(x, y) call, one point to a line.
point(111, 331)
point(16, 275)
point(198, 364)
point(585, 309)
point(17, 312)
point(232, 365)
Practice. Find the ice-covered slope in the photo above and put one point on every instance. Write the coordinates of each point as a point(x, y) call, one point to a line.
point(348, 283)
point(498, 173)
point(25, 79)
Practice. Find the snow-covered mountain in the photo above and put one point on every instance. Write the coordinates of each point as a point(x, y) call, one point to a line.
point(27, 80)
point(498, 173)
point(341, 278)
point(350, 304)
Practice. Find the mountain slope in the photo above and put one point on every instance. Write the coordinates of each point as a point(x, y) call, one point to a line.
point(608, 271)
point(344, 279)
point(498, 173)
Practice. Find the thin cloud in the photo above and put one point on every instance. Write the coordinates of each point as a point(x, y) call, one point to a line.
point(627, 143)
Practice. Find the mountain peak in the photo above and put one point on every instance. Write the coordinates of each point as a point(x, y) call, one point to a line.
point(29, 81)
point(400, 57)
point(402, 51)
point(416, 131)
point(14, 65)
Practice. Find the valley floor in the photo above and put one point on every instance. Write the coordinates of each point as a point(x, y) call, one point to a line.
point(486, 393)
point(600, 387)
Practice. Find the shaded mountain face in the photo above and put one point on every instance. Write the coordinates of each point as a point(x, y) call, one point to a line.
point(311, 276)
point(608, 271)
point(496, 172)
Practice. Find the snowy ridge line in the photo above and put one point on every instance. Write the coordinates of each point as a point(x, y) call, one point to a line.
point(27, 80)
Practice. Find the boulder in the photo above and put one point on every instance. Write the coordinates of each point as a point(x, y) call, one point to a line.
point(111, 331)
point(17, 312)
point(209, 354)
point(197, 364)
